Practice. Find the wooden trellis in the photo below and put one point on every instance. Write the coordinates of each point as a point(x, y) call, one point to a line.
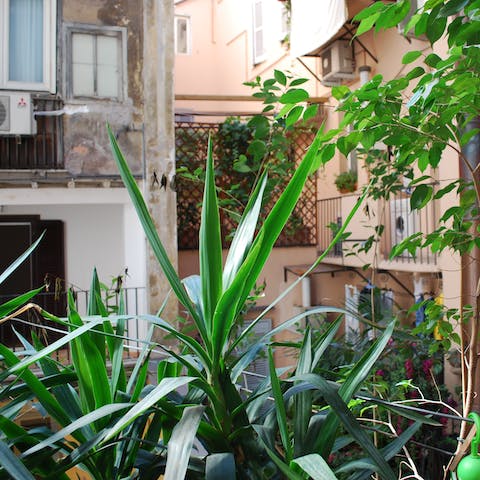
point(191, 141)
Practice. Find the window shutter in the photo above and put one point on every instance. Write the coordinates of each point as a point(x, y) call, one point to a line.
point(258, 32)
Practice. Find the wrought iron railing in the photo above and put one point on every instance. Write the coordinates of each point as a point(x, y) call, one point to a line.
point(42, 151)
point(48, 331)
point(398, 220)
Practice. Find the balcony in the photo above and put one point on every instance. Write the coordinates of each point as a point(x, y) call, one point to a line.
point(42, 151)
point(399, 223)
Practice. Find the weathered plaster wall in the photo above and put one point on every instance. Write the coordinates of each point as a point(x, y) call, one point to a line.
point(86, 146)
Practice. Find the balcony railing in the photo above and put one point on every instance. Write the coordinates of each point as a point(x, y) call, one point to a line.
point(49, 331)
point(394, 214)
point(42, 151)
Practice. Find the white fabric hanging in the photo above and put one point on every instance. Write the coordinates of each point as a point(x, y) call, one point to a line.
point(313, 23)
point(352, 324)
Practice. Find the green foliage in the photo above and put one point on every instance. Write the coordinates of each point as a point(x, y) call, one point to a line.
point(346, 181)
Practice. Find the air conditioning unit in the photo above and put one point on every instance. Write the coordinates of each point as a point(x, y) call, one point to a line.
point(403, 222)
point(414, 6)
point(16, 114)
point(337, 63)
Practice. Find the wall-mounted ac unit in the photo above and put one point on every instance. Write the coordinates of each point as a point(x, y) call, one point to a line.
point(403, 222)
point(414, 6)
point(16, 114)
point(337, 63)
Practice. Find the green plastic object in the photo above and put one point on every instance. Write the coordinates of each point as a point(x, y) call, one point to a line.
point(469, 466)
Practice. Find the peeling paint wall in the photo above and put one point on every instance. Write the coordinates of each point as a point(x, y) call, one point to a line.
point(142, 120)
point(86, 148)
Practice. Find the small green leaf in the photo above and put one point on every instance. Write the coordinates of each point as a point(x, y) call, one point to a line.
point(310, 112)
point(298, 81)
point(421, 196)
point(258, 149)
point(340, 92)
point(432, 60)
point(435, 29)
point(467, 136)
point(280, 77)
point(293, 116)
point(410, 57)
point(415, 73)
point(294, 95)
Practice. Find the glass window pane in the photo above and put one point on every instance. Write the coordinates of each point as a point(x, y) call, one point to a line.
point(83, 80)
point(83, 76)
point(82, 48)
point(107, 81)
point(25, 46)
point(182, 39)
point(107, 50)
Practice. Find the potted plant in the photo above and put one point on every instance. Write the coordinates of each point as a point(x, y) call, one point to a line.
point(346, 182)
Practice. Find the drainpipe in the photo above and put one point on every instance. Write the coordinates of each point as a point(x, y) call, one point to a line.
point(470, 289)
point(364, 71)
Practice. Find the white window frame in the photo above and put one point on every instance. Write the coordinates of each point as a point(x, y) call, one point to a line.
point(284, 22)
point(189, 34)
point(121, 33)
point(258, 57)
point(49, 49)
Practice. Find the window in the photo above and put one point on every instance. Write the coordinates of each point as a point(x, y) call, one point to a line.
point(284, 23)
point(28, 44)
point(96, 62)
point(258, 45)
point(182, 35)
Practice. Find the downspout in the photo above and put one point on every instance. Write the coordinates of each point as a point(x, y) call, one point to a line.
point(470, 286)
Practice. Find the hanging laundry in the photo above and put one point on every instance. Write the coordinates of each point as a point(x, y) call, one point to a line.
point(420, 313)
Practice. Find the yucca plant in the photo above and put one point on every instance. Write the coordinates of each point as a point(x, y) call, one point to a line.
point(238, 440)
point(82, 399)
point(113, 428)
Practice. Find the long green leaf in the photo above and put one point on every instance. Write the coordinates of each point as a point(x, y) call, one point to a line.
point(220, 466)
point(48, 401)
point(280, 409)
point(193, 286)
point(389, 451)
point(12, 464)
point(294, 284)
point(230, 305)
point(363, 367)
point(181, 443)
point(351, 384)
point(8, 307)
point(350, 423)
point(244, 233)
point(26, 362)
point(149, 227)
point(282, 466)
point(14, 265)
point(78, 424)
point(303, 401)
point(278, 216)
point(210, 244)
point(315, 466)
point(188, 341)
point(90, 365)
point(163, 388)
point(243, 360)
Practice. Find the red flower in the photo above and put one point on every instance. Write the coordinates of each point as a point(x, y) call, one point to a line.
point(409, 368)
point(427, 366)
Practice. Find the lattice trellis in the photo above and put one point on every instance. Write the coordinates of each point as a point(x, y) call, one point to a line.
point(191, 141)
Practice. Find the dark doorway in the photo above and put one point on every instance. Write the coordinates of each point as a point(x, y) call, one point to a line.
point(45, 266)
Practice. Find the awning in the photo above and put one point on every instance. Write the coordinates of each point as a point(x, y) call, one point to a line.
point(314, 23)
